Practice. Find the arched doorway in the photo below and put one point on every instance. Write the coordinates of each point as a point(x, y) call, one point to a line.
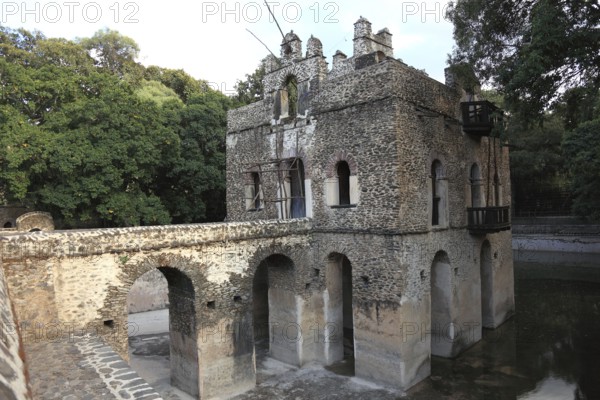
point(339, 331)
point(442, 329)
point(171, 337)
point(276, 328)
point(487, 290)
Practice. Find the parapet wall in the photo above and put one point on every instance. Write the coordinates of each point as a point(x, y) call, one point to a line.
point(81, 243)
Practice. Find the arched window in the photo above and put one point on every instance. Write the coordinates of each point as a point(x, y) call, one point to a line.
point(436, 198)
point(256, 181)
point(253, 189)
point(475, 181)
point(297, 193)
point(343, 175)
point(8, 225)
point(497, 191)
point(291, 87)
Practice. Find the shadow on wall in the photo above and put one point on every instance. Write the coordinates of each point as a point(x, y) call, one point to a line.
point(148, 293)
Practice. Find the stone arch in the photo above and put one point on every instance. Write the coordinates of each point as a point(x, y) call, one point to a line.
point(335, 158)
point(275, 315)
point(487, 285)
point(183, 304)
point(442, 329)
point(341, 189)
point(291, 153)
point(41, 221)
point(339, 310)
point(7, 225)
point(276, 79)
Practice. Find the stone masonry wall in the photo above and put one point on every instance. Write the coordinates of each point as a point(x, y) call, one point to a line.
point(77, 282)
point(391, 123)
point(14, 383)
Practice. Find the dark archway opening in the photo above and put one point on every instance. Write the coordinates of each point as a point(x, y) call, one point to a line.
point(8, 225)
point(163, 342)
point(348, 319)
point(260, 306)
point(274, 310)
point(442, 329)
point(340, 315)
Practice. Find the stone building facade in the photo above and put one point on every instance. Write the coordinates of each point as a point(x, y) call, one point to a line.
point(374, 152)
point(365, 224)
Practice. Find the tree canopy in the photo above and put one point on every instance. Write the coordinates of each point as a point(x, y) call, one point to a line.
point(543, 58)
point(531, 51)
point(251, 89)
point(97, 139)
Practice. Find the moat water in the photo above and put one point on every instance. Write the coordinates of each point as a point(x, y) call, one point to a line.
point(549, 350)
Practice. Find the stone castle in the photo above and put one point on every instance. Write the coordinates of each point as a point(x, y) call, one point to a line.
point(368, 219)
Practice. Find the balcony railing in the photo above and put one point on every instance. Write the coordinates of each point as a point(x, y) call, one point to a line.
point(488, 219)
point(480, 117)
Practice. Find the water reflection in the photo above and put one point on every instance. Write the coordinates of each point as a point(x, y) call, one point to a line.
point(551, 388)
point(558, 320)
point(549, 350)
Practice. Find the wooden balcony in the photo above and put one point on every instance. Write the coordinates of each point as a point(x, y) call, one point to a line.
point(480, 117)
point(484, 220)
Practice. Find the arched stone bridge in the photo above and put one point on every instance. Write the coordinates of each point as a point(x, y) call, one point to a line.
point(231, 284)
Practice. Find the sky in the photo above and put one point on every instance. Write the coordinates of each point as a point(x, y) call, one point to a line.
point(210, 40)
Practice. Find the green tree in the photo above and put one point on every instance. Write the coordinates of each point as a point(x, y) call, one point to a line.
point(251, 89)
point(531, 51)
point(84, 138)
point(178, 80)
point(157, 92)
point(103, 159)
point(114, 52)
point(21, 153)
point(195, 191)
point(582, 147)
point(543, 56)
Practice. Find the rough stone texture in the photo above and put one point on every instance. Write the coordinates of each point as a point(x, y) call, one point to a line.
point(78, 281)
point(417, 288)
point(81, 367)
point(35, 221)
point(19, 219)
point(14, 383)
point(390, 123)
